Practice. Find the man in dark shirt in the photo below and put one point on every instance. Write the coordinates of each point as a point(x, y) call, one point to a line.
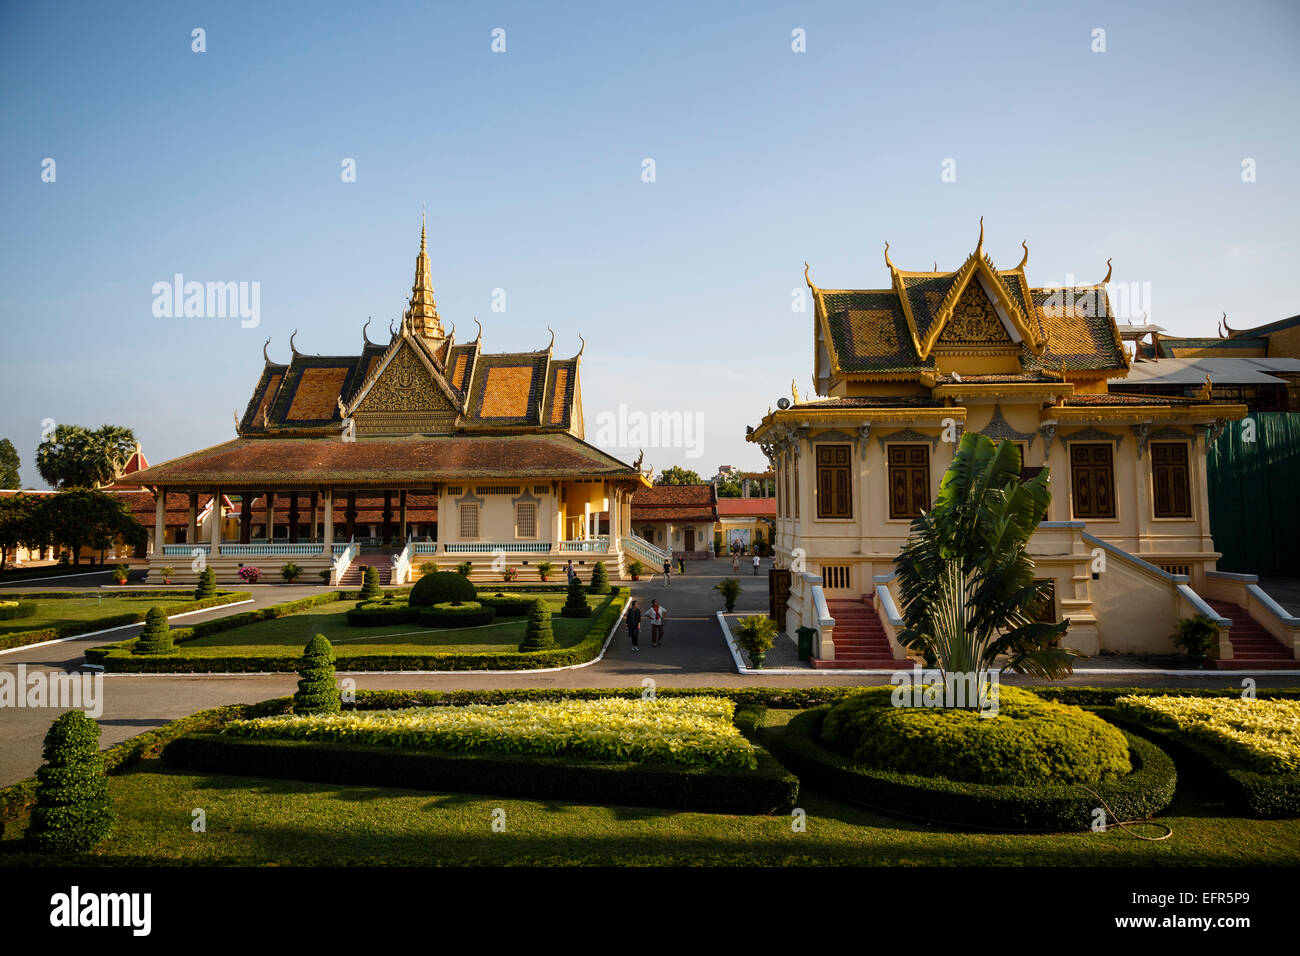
point(634, 624)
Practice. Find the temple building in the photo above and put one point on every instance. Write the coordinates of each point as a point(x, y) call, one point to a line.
point(421, 449)
point(900, 372)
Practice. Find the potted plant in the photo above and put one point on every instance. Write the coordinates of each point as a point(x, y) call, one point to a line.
point(428, 567)
point(324, 575)
point(1196, 635)
point(544, 569)
point(634, 568)
point(509, 574)
point(465, 567)
point(168, 574)
point(120, 573)
point(756, 633)
point(729, 588)
point(250, 574)
point(290, 572)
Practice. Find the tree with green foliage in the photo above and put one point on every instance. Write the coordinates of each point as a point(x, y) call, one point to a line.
point(575, 603)
point(728, 486)
point(677, 475)
point(370, 588)
point(79, 457)
point(83, 517)
point(20, 526)
point(9, 464)
point(599, 579)
point(538, 635)
point(73, 811)
point(317, 691)
point(207, 585)
point(965, 576)
point(156, 638)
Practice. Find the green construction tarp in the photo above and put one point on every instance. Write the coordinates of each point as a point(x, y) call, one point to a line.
point(1255, 494)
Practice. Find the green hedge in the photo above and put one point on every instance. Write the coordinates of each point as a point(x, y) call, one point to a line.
point(18, 611)
point(1263, 795)
point(440, 588)
point(117, 658)
point(507, 605)
point(73, 628)
point(1139, 795)
point(769, 789)
point(469, 614)
point(380, 614)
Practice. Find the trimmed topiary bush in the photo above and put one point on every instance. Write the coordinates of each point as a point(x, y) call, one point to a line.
point(538, 636)
point(575, 605)
point(442, 587)
point(207, 584)
point(317, 692)
point(464, 614)
point(1030, 742)
point(14, 610)
point(507, 605)
point(370, 588)
point(156, 638)
point(73, 811)
point(599, 579)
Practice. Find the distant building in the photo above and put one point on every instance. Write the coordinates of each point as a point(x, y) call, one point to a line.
point(677, 518)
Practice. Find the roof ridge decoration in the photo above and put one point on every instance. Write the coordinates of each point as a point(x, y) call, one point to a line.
point(406, 337)
point(264, 354)
point(421, 313)
point(900, 289)
point(365, 339)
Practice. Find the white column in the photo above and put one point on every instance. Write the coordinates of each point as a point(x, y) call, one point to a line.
point(192, 529)
point(329, 523)
point(214, 532)
point(159, 521)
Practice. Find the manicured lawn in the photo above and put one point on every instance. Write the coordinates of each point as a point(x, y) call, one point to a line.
point(293, 631)
point(52, 612)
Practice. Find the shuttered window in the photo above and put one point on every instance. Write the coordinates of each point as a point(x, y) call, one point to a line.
point(469, 522)
point(526, 520)
point(1170, 480)
point(834, 488)
point(1092, 479)
point(909, 480)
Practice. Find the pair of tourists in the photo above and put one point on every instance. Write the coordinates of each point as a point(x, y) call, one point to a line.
point(656, 617)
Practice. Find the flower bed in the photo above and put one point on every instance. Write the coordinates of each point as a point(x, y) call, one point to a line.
point(1264, 734)
point(691, 731)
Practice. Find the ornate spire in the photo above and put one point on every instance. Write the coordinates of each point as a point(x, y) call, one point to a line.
point(422, 313)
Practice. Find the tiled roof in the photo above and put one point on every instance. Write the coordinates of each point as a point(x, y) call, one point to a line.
point(675, 503)
point(290, 462)
point(877, 401)
point(746, 507)
point(1114, 398)
point(869, 333)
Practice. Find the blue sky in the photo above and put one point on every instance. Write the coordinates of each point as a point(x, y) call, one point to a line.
point(225, 166)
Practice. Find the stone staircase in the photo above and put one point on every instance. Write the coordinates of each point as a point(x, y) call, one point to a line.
point(1253, 648)
point(860, 642)
point(380, 560)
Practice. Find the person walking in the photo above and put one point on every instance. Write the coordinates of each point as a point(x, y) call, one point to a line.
point(634, 624)
point(569, 572)
point(656, 615)
point(756, 562)
point(735, 562)
point(681, 565)
point(668, 572)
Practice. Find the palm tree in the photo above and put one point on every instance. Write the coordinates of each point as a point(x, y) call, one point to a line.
point(966, 581)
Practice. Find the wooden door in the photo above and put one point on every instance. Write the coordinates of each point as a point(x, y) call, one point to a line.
point(778, 594)
point(690, 539)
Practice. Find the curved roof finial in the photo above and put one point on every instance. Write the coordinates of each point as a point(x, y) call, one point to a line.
point(887, 262)
point(264, 355)
point(392, 333)
point(806, 277)
point(293, 348)
point(551, 345)
point(365, 339)
point(478, 338)
point(979, 246)
point(1108, 269)
point(584, 346)
point(452, 334)
point(1024, 245)
point(1226, 326)
point(936, 265)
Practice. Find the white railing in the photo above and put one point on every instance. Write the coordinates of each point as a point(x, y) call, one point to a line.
point(644, 549)
point(344, 561)
point(600, 544)
point(402, 565)
point(507, 547)
point(239, 550)
point(425, 547)
point(186, 549)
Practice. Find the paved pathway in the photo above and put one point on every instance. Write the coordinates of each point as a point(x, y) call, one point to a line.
point(693, 655)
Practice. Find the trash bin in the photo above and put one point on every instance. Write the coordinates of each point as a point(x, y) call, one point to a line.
point(806, 635)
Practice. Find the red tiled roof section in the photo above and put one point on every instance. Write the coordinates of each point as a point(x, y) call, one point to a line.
point(747, 507)
point(675, 503)
point(390, 463)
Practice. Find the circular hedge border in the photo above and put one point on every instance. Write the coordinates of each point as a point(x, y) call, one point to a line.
point(1049, 809)
point(507, 605)
point(16, 610)
point(380, 614)
point(468, 614)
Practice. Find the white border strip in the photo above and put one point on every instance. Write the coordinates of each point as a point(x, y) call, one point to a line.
point(110, 630)
point(291, 674)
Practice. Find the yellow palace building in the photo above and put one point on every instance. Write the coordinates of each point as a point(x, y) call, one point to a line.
point(902, 371)
point(492, 444)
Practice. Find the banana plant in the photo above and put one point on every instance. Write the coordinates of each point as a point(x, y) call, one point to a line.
point(966, 580)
